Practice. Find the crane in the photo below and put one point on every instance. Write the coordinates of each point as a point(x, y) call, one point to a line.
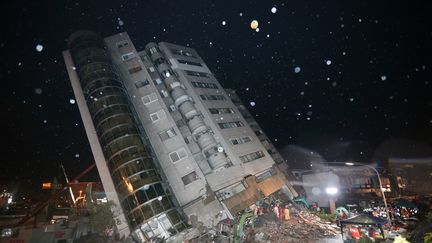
point(53, 197)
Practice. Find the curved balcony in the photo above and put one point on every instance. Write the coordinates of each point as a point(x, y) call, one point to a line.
point(205, 140)
point(179, 96)
point(196, 125)
point(188, 109)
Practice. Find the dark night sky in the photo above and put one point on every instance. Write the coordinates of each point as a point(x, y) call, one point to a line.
point(377, 86)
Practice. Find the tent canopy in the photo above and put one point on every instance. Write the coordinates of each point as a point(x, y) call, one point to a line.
point(364, 219)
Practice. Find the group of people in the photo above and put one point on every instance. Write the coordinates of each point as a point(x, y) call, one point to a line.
point(282, 213)
point(362, 231)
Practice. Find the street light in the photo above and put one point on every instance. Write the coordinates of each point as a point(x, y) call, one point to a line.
point(380, 185)
point(331, 191)
point(381, 188)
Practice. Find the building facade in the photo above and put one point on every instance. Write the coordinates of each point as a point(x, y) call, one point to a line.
point(170, 145)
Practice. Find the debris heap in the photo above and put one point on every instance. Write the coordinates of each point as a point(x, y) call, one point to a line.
point(302, 227)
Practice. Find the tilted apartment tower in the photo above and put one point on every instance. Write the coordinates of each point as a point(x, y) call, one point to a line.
point(169, 144)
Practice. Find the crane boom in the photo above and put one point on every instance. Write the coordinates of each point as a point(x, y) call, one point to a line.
point(53, 197)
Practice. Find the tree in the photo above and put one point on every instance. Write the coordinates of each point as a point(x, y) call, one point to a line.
point(102, 219)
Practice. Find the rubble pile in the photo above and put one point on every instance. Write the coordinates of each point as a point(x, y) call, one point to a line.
point(302, 227)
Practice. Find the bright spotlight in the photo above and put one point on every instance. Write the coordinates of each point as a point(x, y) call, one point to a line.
point(331, 190)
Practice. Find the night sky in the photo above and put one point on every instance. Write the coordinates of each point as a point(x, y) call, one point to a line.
point(344, 70)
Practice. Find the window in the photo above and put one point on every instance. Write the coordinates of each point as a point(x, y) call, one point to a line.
point(160, 114)
point(212, 97)
point(204, 85)
point(182, 53)
point(157, 81)
point(141, 83)
point(128, 56)
point(197, 74)
point(135, 69)
point(172, 108)
point(267, 174)
point(153, 50)
point(221, 110)
point(240, 140)
point(189, 63)
point(164, 93)
point(252, 156)
point(224, 125)
point(258, 132)
point(122, 44)
point(265, 142)
point(167, 134)
point(178, 155)
point(189, 178)
point(149, 98)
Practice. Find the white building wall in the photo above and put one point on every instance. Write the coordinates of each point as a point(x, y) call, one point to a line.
point(173, 171)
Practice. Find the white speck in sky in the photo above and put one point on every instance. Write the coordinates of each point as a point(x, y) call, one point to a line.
point(297, 69)
point(257, 29)
point(38, 91)
point(77, 155)
point(328, 62)
point(72, 101)
point(224, 22)
point(273, 10)
point(351, 99)
point(252, 103)
point(39, 47)
point(383, 77)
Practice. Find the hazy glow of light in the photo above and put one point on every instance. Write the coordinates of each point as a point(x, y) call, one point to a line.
point(331, 190)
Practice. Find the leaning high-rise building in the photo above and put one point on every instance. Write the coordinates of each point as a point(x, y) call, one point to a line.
point(169, 144)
